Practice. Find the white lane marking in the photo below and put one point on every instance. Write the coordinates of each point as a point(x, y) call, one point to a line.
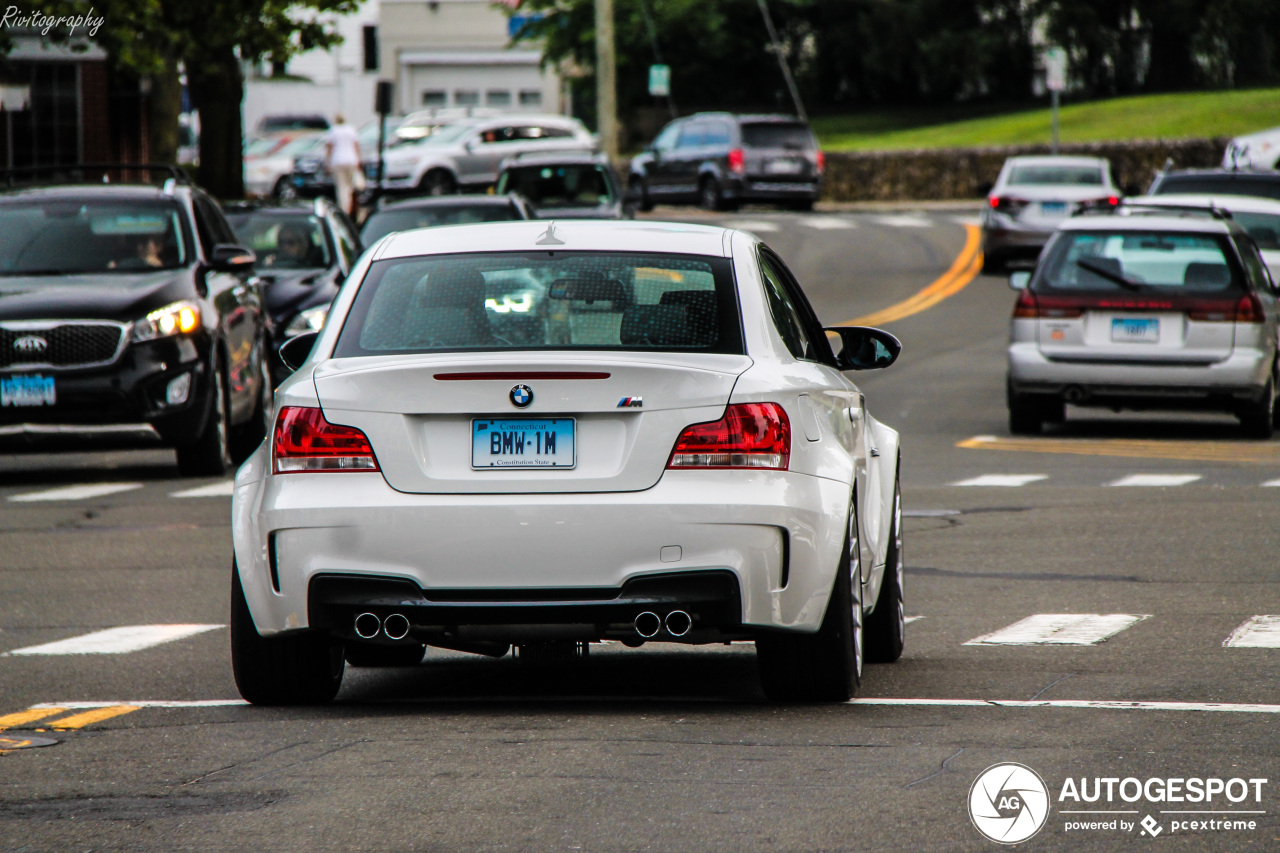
point(759, 225)
point(905, 221)
point(116, 641)
point(828, 223)
point(1260, 632)
point(1009, 480)
point(911, 619)
point(76, 493)
point(1156, 480)
point(1271, 483)
point(975, 221)
point(145, 703)
point(1098, 704)
point(1072, 629)
point(215, 490)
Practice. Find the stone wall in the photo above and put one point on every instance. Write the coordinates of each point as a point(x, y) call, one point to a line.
point(961, 173)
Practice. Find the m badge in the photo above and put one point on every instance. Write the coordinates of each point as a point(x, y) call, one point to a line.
point(631, 403)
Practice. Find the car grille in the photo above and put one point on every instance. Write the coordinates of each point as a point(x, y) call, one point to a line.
point(74, 344)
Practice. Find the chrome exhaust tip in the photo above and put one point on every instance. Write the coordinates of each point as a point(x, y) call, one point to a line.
point(396, 626)
point(367, 626)
point(678, 623)
point(648, 624)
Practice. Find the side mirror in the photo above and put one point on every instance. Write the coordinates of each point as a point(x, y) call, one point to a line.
point(865, 348)
point(294, 351)
point(232, 257)
point(1020, 279)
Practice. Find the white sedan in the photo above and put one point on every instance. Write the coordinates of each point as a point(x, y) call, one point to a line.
point(549, 435)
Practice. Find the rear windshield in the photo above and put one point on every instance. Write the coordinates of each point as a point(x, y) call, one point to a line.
point(544, 301)
point(384, 222)
point(792, 136)
point(1084, 176)
point(584, 185)
point(283, 240)
point(64, 237)
point(1236, 184)
point(1135, 260)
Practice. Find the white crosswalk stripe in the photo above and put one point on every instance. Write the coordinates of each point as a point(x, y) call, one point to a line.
point(215, 490)
point(1155, 480)
point(1006, 480)
point(1271, 484)
point(903, 221)
point(1072, 629)
point(76, 493)
point(116, 641)
point(759, 226)
point(1260, 632)
point(828, 223)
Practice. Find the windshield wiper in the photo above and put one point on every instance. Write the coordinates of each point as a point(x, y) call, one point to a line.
point(1109, 275)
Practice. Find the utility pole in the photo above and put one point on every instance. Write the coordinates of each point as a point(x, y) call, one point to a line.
point(782, 61)
point(606, 81)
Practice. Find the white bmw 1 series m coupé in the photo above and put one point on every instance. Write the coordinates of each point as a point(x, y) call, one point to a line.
point(548, 435)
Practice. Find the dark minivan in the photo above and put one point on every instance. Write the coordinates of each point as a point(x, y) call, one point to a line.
point(721, 160)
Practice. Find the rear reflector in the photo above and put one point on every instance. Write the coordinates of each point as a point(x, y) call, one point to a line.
point(1204, 309)
point(305, 441)
point(750, 435)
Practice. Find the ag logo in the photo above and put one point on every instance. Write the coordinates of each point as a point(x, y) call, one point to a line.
point(1008, 803)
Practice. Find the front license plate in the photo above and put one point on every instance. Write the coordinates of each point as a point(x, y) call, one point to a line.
point(782, 167)
point(523, 443)
point(1053, 208)
point(1135, 331)
point(27, 389)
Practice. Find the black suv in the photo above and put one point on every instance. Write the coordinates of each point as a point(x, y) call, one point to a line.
point(128, 308)
point(1216, 182)
point(720, 160)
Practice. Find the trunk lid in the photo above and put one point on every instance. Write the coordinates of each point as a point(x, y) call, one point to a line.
point(627, 409)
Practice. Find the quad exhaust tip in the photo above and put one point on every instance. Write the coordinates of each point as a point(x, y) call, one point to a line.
point(396, 626)
point(648, 624)
point(678, 623)
point(367, 626)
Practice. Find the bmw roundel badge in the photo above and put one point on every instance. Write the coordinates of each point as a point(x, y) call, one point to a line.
point(521, 396)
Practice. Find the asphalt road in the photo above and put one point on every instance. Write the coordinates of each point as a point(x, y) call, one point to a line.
point(671, 749)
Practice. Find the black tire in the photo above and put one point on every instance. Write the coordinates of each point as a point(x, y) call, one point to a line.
point(802, 206)
point(709, 195)
point(303, 668)
point(993, 264)
point(438, 182)
point(285, 190)
point(1028, 413)
point(209, 455)
point(826, 666)
point(641, 188)
point(886, 628)
point(247, 436)
point(1258, 420)
point(372, 654)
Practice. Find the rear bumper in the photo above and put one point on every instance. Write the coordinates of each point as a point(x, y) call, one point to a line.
point(557, 559)
point(1000, 240)
point(757, 189)
point(1241, 376)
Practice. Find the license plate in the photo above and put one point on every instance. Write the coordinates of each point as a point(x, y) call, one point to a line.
point(1053, 208)
point(27, 389)
point(523, 443)
point(1135, 331)
point(782, 167)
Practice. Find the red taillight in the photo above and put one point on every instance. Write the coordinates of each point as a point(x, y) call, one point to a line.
point(305, 441)
point(750, 435)
point(821, 159)
point(1249, 309)
point(994, 201)
point(1005, 204)
point(1113, 200)
point(1031, 307)
point(737, 161)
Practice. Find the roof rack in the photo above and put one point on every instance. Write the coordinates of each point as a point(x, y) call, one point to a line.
point(84, 173)
point(1153, 208)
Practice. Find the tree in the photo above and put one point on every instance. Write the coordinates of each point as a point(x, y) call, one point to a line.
point(210, 39)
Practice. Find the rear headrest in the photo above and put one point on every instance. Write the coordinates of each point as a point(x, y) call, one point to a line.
point(455, 288)
point(656, 325)
point(1203, 274)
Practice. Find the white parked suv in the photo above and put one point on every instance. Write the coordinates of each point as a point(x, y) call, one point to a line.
point(466, 154)
point(1145, 309)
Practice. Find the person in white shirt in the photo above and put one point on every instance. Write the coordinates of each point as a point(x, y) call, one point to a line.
point(342, 156)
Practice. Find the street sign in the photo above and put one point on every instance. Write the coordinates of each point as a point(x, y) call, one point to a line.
point(1055, 69)
point(660, 80)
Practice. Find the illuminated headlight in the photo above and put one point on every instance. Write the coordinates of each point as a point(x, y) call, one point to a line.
point(310, 320)
point(180, 318)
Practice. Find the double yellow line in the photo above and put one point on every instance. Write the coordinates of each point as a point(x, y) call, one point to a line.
point(75, 721)
point(963, 270)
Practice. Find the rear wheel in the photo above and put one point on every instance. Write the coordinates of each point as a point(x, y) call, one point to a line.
point(368, 654)
point(993, 264)
point(438, 182)
point(802, 206)
point(709, 195)
point(1029, 412)
point(887, 625)
point(826, 666)
point(209, 455)
point(641, 189)
point(285, 190)
point(1257, 420)
point(303, 668)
